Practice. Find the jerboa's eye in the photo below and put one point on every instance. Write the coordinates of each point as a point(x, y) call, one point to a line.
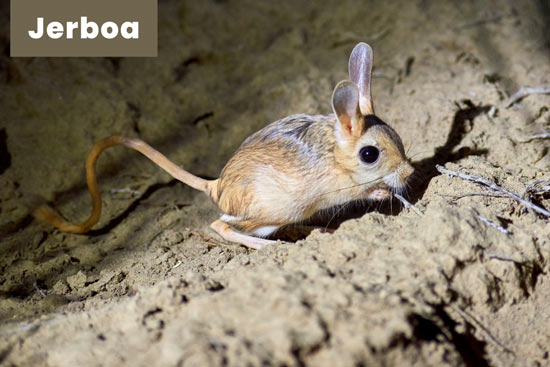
point(369, 154)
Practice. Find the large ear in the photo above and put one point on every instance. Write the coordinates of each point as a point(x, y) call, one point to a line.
point(345, 103)
point(360, 69)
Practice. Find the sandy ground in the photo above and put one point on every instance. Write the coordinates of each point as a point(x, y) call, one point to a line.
point(152, 285)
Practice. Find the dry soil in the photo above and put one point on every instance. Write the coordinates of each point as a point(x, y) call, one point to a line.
point(152, 285)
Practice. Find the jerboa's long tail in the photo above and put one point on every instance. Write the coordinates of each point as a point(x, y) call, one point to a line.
point(50, 216)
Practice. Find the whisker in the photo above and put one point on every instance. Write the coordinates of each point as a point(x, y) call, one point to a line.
point(352, 186)
point(417, 154)
point(408, 149)
point(336, 212)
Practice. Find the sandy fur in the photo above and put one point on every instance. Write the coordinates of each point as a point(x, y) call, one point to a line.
point(295, 167)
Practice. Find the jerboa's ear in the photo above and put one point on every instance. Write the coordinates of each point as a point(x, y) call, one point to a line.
point(360, 70)
point(345, 103)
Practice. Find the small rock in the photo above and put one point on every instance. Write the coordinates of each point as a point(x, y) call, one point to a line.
point(61, 287)
point(77, 281)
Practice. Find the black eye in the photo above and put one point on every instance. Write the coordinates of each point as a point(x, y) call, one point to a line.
point(369, 154)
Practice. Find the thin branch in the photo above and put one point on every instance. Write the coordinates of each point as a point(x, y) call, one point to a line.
point(22, 328)
point(525, 91)
point(493, 186)
point(126, 190)
point(39, 290)
point(468, 315)
point(408, 205)
point(544, 135)
point(493, 224)
point(538, 187)
point(501, 257)
point(473, 194)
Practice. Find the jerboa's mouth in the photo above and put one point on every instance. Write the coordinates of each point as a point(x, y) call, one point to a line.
point(379, 191)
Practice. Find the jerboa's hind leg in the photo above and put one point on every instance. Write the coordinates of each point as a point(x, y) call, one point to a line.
point(228, 233)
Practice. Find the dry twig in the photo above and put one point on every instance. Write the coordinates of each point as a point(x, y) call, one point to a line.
point(486, 194)
point(537, 188)
point(492, 224)
point(408, 205)
point(493, 186)
point(466, 315)
point(501, 257)
point(525, 91)
point(125, 190)
point(544, 135)
point(39, 290)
